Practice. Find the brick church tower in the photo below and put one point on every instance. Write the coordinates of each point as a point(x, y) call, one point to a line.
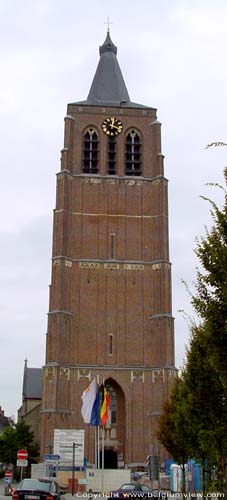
point(110, 296)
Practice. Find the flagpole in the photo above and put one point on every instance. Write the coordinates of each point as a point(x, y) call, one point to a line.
point(95, 447)
point(103, 383)
point(98, 448)
point(96, 434)
point(102, 458)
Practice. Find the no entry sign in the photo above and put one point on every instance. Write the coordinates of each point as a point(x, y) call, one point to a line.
point(8, 473)
point(22, 454)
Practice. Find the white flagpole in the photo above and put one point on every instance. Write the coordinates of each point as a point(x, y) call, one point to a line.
point(103, 383)
point(95, 447)
point(98, 449)
point(102, 458)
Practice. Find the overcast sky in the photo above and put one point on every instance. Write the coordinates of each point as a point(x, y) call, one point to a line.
point(173, 57)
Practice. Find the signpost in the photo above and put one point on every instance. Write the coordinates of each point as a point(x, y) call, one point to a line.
point(52, 461)
point(22, 461)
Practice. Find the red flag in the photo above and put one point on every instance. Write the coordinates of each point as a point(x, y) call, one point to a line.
point(105, 407)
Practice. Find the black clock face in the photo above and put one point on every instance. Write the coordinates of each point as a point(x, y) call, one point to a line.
point(112, 126)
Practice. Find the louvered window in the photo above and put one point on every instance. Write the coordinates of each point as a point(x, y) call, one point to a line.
point(111, 155)
point(133, 153)
point(90, 152)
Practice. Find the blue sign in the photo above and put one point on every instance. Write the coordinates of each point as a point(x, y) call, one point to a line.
point(69, 468)
point(52, 457)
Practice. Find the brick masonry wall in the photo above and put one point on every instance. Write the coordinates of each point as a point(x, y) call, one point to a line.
point(111, 276)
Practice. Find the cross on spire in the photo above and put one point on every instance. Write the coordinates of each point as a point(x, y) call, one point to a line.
point(108, 22)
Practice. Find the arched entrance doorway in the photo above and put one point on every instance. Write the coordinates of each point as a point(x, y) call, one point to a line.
point(114, 430)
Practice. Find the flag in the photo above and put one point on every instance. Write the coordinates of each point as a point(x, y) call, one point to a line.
point(105, 406)
point(90, 404)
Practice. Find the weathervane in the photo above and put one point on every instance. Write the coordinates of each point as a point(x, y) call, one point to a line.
point(108, 22)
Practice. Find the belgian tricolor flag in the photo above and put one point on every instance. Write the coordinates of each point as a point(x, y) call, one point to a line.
point(105, 406)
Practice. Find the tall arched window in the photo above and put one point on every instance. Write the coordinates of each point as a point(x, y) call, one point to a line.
point(90, 152)
point(133, 153)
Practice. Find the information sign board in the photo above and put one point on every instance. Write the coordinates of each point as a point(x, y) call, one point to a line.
point(22, 463)
point(63, 446)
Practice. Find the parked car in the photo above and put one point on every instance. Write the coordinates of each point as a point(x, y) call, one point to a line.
point(37, 489)
point(131, 490)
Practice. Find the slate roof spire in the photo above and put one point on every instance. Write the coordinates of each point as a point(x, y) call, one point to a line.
point(108, 45)
point(108, 86)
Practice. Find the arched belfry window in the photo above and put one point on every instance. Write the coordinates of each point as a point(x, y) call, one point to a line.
point(90, 151)
point(133, 153)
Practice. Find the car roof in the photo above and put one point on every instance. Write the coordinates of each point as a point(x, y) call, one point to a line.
point(46, 479)
point(129, 484)
point(41, 479)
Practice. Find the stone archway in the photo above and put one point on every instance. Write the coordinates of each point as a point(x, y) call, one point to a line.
point(114, 442)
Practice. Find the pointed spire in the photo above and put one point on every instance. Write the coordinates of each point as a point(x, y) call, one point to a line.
point(108, 45)
point(108, 86)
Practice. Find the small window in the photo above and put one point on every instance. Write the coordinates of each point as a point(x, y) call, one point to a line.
point(90, 152)
point(112, 246)
point(110, 344)
point(133, 153)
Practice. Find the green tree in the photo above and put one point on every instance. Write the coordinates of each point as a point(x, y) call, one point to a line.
point(208, 403)
point(206, 360)
point(210, 299)
point(199, 400)
point(174, 427)
point(15, 438)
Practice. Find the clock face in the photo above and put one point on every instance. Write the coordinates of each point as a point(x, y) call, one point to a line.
point(112, 126)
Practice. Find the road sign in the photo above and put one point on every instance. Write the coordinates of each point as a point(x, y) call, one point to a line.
point(8, 473)
point(22, 454)
point(51, 458)
point(22, 463)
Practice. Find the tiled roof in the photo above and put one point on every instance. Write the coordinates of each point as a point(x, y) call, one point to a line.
point(32, 383)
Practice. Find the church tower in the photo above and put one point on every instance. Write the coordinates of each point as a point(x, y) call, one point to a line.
point(110, 312)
